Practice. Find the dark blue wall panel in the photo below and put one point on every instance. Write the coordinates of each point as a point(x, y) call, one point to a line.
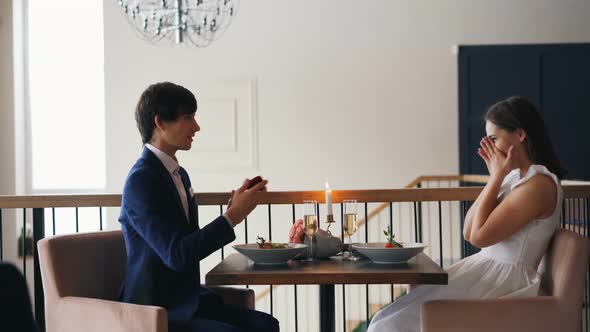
point(555, 77)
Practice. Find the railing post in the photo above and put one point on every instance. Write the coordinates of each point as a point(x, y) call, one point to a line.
point(38, 234)
point(464, 207)
point(419, 216)
point(327, 306)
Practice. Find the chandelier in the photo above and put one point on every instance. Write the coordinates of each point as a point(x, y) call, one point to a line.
point(177, 21)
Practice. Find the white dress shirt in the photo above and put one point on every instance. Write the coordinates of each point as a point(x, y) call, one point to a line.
point(173, 168)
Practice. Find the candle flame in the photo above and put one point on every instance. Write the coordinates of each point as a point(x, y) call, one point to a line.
point(327, 186)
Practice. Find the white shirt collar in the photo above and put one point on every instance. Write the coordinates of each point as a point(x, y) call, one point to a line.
point(170, 164)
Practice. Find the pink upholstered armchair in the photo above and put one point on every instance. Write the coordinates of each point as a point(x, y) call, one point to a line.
point(82, 274)
point(559, 310)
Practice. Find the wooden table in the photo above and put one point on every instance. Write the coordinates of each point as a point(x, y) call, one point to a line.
point(236, 269)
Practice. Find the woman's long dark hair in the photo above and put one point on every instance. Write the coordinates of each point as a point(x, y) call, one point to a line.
point(519, 113)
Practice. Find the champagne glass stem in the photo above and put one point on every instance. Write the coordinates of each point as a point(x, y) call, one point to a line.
point(350, 246)
point(311, 247)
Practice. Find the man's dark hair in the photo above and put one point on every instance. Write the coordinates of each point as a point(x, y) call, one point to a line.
point(166, 100)
point(519, 113)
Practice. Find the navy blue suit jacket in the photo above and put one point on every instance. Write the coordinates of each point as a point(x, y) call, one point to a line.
point(163, 247)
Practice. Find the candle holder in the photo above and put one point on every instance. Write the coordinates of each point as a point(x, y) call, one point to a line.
point(329, 220)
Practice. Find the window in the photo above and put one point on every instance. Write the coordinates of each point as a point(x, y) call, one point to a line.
point(66, 118)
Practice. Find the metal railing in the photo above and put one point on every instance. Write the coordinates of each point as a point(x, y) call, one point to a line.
point(433, 214)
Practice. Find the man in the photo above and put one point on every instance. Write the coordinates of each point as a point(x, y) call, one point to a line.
point(159, 222)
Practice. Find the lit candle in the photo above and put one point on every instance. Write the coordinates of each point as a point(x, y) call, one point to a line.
point(328, 198)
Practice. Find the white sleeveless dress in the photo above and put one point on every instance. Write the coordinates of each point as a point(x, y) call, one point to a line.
point(505, 269)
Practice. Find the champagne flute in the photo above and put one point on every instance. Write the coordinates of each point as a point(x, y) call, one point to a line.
point(350, 225)
point(310, 223)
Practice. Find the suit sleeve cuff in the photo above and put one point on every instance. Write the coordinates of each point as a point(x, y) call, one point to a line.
point(231, 224)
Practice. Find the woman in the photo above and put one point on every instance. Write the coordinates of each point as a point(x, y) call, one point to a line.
point(512, 219)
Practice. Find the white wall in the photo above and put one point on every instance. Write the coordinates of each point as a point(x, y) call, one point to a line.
point(361, 93)
point(7, 128)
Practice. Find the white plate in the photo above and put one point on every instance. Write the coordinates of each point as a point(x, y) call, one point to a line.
point(377, 252)
point(269, 256)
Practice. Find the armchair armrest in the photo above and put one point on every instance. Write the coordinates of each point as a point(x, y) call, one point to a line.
point(241, 297)
point(90, 315)
point(516, 314)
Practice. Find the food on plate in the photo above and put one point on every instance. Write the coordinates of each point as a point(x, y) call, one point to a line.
point(263, 244)
point(391, 243)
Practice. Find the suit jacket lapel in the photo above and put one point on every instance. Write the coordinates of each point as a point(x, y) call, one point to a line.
point(151, 158)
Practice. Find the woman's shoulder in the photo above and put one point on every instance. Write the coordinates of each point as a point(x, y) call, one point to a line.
point(540, 169)
point(541, 175)
point(540, 182)
point(545, 192)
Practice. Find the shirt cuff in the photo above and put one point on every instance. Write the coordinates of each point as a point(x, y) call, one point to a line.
point(231, 224)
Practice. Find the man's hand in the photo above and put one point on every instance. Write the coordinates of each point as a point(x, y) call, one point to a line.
point(229, 202)
point(243, 201)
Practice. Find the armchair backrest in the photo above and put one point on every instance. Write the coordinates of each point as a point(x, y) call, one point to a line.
point(83, 264)
point(566, 265)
